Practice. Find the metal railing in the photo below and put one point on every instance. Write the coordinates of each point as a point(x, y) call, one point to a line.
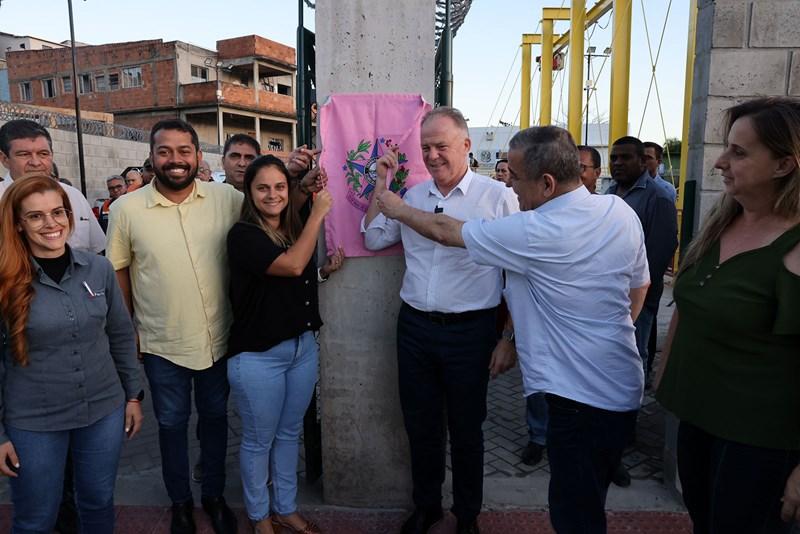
point(63, 121)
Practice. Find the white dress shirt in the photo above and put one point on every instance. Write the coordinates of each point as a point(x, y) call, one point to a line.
point(570, 265)
point(87, 234)
point(440, 278)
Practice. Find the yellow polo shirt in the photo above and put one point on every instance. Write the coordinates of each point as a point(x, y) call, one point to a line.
point(178, 267)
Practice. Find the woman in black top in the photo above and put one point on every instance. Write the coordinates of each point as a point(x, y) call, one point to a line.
point(273, 351)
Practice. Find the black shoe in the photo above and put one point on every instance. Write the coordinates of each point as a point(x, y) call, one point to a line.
point(197, 472)
point(421, 521)
point(222, 519)
point(532, 454)
point(470, 527)
point(183, 518)
point(621, 477)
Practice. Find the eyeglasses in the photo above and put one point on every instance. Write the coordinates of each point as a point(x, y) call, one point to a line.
point(37, 219)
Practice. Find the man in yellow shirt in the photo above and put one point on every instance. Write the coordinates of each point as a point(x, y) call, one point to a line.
point(167, 242)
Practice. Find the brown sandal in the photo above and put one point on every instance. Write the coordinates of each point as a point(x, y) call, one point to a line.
point(309, 528)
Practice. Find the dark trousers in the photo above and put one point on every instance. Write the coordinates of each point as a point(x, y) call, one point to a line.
point(584, 445)
point(171, 387)
point(445, 366)
point(732, 487)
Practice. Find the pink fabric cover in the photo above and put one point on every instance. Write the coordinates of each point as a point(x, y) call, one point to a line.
point(356, 130)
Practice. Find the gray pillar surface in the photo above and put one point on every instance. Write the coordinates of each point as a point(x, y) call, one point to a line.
point(365, 46)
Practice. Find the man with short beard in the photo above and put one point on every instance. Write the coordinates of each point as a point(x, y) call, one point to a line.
point(167, 244)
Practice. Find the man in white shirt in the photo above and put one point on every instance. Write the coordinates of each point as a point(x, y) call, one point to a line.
point(576, 268)
point(446, 328)
point(26, 148)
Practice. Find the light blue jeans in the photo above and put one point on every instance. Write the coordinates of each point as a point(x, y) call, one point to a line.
point(272, 390)
point(36, 492)
point(536, 417)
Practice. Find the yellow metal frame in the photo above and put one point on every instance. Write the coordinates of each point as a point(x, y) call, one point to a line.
point(687, 111)
point(620, 69)
point(575, 108)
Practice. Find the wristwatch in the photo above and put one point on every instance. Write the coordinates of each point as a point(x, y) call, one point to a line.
point(508, 335)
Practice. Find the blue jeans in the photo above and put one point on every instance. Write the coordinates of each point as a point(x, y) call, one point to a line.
point(272, 390)
point(584, 445)
point(36, 492)
point(644, 324)
point(171, 387)
point(536, 416)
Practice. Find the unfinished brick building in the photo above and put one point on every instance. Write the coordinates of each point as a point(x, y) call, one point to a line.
point(246, 86)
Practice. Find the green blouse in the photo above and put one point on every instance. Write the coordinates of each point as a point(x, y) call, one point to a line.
point(734, 365)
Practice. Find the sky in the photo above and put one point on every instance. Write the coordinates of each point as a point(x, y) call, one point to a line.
point(486, 50)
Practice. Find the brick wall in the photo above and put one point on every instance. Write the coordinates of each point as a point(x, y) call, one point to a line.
point(156, 59)
point(254, 45)
point(744, 49)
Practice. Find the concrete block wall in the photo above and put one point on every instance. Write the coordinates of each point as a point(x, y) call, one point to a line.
point(744, 49)
point(103, 156)
point(255, 45)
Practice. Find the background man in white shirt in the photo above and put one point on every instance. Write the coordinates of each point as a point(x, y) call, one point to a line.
point(573, 291)
point(446, 328)
point(26, 148)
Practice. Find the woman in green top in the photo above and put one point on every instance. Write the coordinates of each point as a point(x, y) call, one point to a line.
point(732, 360)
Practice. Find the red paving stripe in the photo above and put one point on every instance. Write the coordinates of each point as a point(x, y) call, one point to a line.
point(155, 520)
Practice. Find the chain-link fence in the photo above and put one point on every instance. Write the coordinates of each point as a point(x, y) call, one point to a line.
point(63, 121)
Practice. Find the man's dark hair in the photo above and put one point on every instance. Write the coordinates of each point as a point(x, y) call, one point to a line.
point(658, 148)
point(241, 138)
point(633, 141)
point(174, 124)
point(147, 164)
point(550, 150)
point(499, 161)
point(596, 161)
point(21, 129)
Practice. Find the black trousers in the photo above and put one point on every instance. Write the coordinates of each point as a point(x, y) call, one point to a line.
point(732, 487)
point(584, 445)
point(443, 367)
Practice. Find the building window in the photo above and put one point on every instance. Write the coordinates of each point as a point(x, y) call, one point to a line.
point(113, 82)
point(66, 84)
point(132, 77)
point(85, 83)
point(25, 93)
point(49, 88)
point(276, 144)
point(284, 89)
point(100, 83)
point(199, 74)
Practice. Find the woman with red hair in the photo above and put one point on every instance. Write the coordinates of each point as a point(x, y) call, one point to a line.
point(68, 371)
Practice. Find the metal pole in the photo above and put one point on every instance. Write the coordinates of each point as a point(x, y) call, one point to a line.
point(446, 87)
point(620, 70)
point(525, 109)
point(685, 234)
point(577, 26)
point(546, 63)
point(300, 100)
point(75, 90)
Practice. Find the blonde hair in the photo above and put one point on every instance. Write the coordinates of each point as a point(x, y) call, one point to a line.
point(776, 121)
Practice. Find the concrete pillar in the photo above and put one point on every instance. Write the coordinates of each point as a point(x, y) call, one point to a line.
point(364, 47)
point(256, 83)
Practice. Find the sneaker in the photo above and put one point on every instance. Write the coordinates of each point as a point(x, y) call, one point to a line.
point(532, 454)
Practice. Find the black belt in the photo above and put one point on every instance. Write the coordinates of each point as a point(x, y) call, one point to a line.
point(443, 318)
